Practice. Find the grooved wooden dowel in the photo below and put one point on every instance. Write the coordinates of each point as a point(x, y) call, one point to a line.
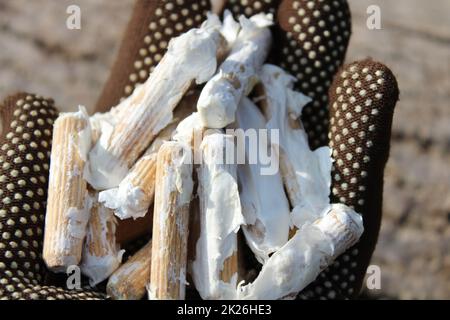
point(306, 173)
point(101, 253)
point(68, 208)
point(313, 248)
point(191, 57)
point(173, 194)
point(263, 199)
point(135, 194)
point(215, 268)
point(220, 97)
point(130, 280)
point(101, 122)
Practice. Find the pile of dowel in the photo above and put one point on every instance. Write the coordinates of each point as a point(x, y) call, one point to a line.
point(175, 145)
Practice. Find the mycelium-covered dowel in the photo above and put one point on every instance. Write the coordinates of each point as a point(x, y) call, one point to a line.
point(313, 248)
point(130, 280)
point(191, 57)
point(215, 268)
point(105, 122)
point(68, 204)
point(264, 202)
point(190, 131)
point(173, 194)
point(238, 73)
point(135, 194)
point(101, 253)
point(306, 174)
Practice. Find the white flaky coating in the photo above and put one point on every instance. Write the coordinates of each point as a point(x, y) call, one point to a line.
point(220, 220)
point(230, 28)
point(237, 75)
point(106, 121)
point(312, 249)
point(190, 57)
point(130, 280)
point(134, 195)
point(68, 204)
point(264, 202)
point(191, 131)
point(101, 254)
point(306, 174)
point(173, 193)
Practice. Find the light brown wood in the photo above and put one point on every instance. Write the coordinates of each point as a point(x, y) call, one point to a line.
point(130, 280)
point(101, 253)
point(68, 207)
point(191, 57)
point(230, 267)
point(135, 194)
point(173, 194)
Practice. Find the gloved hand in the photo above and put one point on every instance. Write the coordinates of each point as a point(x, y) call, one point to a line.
point(352, 114)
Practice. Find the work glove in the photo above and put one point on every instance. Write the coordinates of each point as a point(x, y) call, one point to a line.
point(351, 111)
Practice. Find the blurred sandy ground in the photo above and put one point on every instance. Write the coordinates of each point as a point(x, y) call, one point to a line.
point(38, 54)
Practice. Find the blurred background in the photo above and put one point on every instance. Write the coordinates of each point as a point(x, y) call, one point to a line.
point(39, 54)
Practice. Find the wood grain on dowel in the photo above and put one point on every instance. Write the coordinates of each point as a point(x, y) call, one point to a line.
point(135, 194)
point(173, 194)
point(68, 207)
point(130, 229)
point(191, 57)
point(101, 253)
point(130, 280)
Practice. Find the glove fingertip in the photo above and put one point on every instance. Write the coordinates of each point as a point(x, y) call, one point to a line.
point(25, 143)
point(311, 44)
point(362, 100)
